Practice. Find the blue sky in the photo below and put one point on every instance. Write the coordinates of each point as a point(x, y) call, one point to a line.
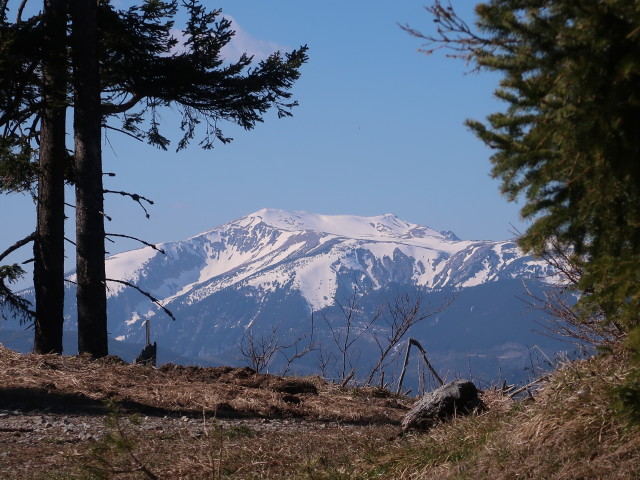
point(379, 130)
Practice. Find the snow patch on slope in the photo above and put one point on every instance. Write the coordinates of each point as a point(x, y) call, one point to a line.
point(127, 266)
point(316, 280)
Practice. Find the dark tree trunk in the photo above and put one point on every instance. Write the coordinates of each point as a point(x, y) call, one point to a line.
point(91, 291)
point(48, 274)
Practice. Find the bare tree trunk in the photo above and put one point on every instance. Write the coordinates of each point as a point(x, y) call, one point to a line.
point(91, 291)
point(48, 274)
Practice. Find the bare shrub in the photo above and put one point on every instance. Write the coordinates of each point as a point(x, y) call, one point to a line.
point(348, 329)
point(564, 321)
point(259, 350)
point(406, 311)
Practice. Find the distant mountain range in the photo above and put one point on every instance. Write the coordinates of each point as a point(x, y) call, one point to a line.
point(270, 273)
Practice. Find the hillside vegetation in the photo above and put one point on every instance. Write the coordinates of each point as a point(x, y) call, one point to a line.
point(73, 417)
point(569, 430)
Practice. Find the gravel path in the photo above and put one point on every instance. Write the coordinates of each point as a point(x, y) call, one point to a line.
point(34, 443)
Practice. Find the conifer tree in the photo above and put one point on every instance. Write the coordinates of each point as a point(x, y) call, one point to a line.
point(48, 248)
point(87, 124)
point(146, 77)
point(126, 66)
point(32, 123)
point(567, 142)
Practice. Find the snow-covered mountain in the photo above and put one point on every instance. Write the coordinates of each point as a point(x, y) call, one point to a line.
point(273, 268)
point(271, 250)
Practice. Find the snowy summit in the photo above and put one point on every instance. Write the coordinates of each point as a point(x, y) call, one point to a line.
point(382, 227)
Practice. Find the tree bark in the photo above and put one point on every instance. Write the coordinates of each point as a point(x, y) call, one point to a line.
point(48, 274)
point(90, 252)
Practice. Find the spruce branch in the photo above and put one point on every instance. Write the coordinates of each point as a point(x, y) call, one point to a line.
point(115, 454)
point(112, 108)
point(139, 465)
point(11, 273)
point(453, 34)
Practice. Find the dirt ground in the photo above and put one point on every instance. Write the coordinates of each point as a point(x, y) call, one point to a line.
point(65, 418)
point(75, 417)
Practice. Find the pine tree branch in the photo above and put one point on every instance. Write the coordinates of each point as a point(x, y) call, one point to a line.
point(20, 10)
point(17, 245)
point(146, 294)
point(119, 130)
point(16, 303)
point(33, 130)
point(454, 35)
point(111, 109)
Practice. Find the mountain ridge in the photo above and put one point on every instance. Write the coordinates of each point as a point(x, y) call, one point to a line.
point(260, 243)
point(276, 269)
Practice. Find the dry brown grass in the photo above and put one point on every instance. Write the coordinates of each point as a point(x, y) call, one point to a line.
point(196, 422)
point(41, 380)
point(337, 452)
point(570, 431)
point(244, 426)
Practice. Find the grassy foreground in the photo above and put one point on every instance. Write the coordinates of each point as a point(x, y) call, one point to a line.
point(194, 423)
point(571, 430)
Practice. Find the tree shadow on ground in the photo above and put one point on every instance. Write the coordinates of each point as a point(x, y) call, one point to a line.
point(28, 399)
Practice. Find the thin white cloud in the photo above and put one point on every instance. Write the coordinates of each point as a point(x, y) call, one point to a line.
point(242, 42)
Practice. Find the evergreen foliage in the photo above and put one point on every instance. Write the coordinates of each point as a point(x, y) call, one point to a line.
point(567, 142)
point(20, 45)
point(10, 303)
point(142, 68)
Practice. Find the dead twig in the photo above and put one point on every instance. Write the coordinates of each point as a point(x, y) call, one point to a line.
point(414, 342)
point(146, 294)
point(120, 235)
point(135, 197)
point(528, 386)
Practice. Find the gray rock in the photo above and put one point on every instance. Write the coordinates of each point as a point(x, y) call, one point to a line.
point(459, 397)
